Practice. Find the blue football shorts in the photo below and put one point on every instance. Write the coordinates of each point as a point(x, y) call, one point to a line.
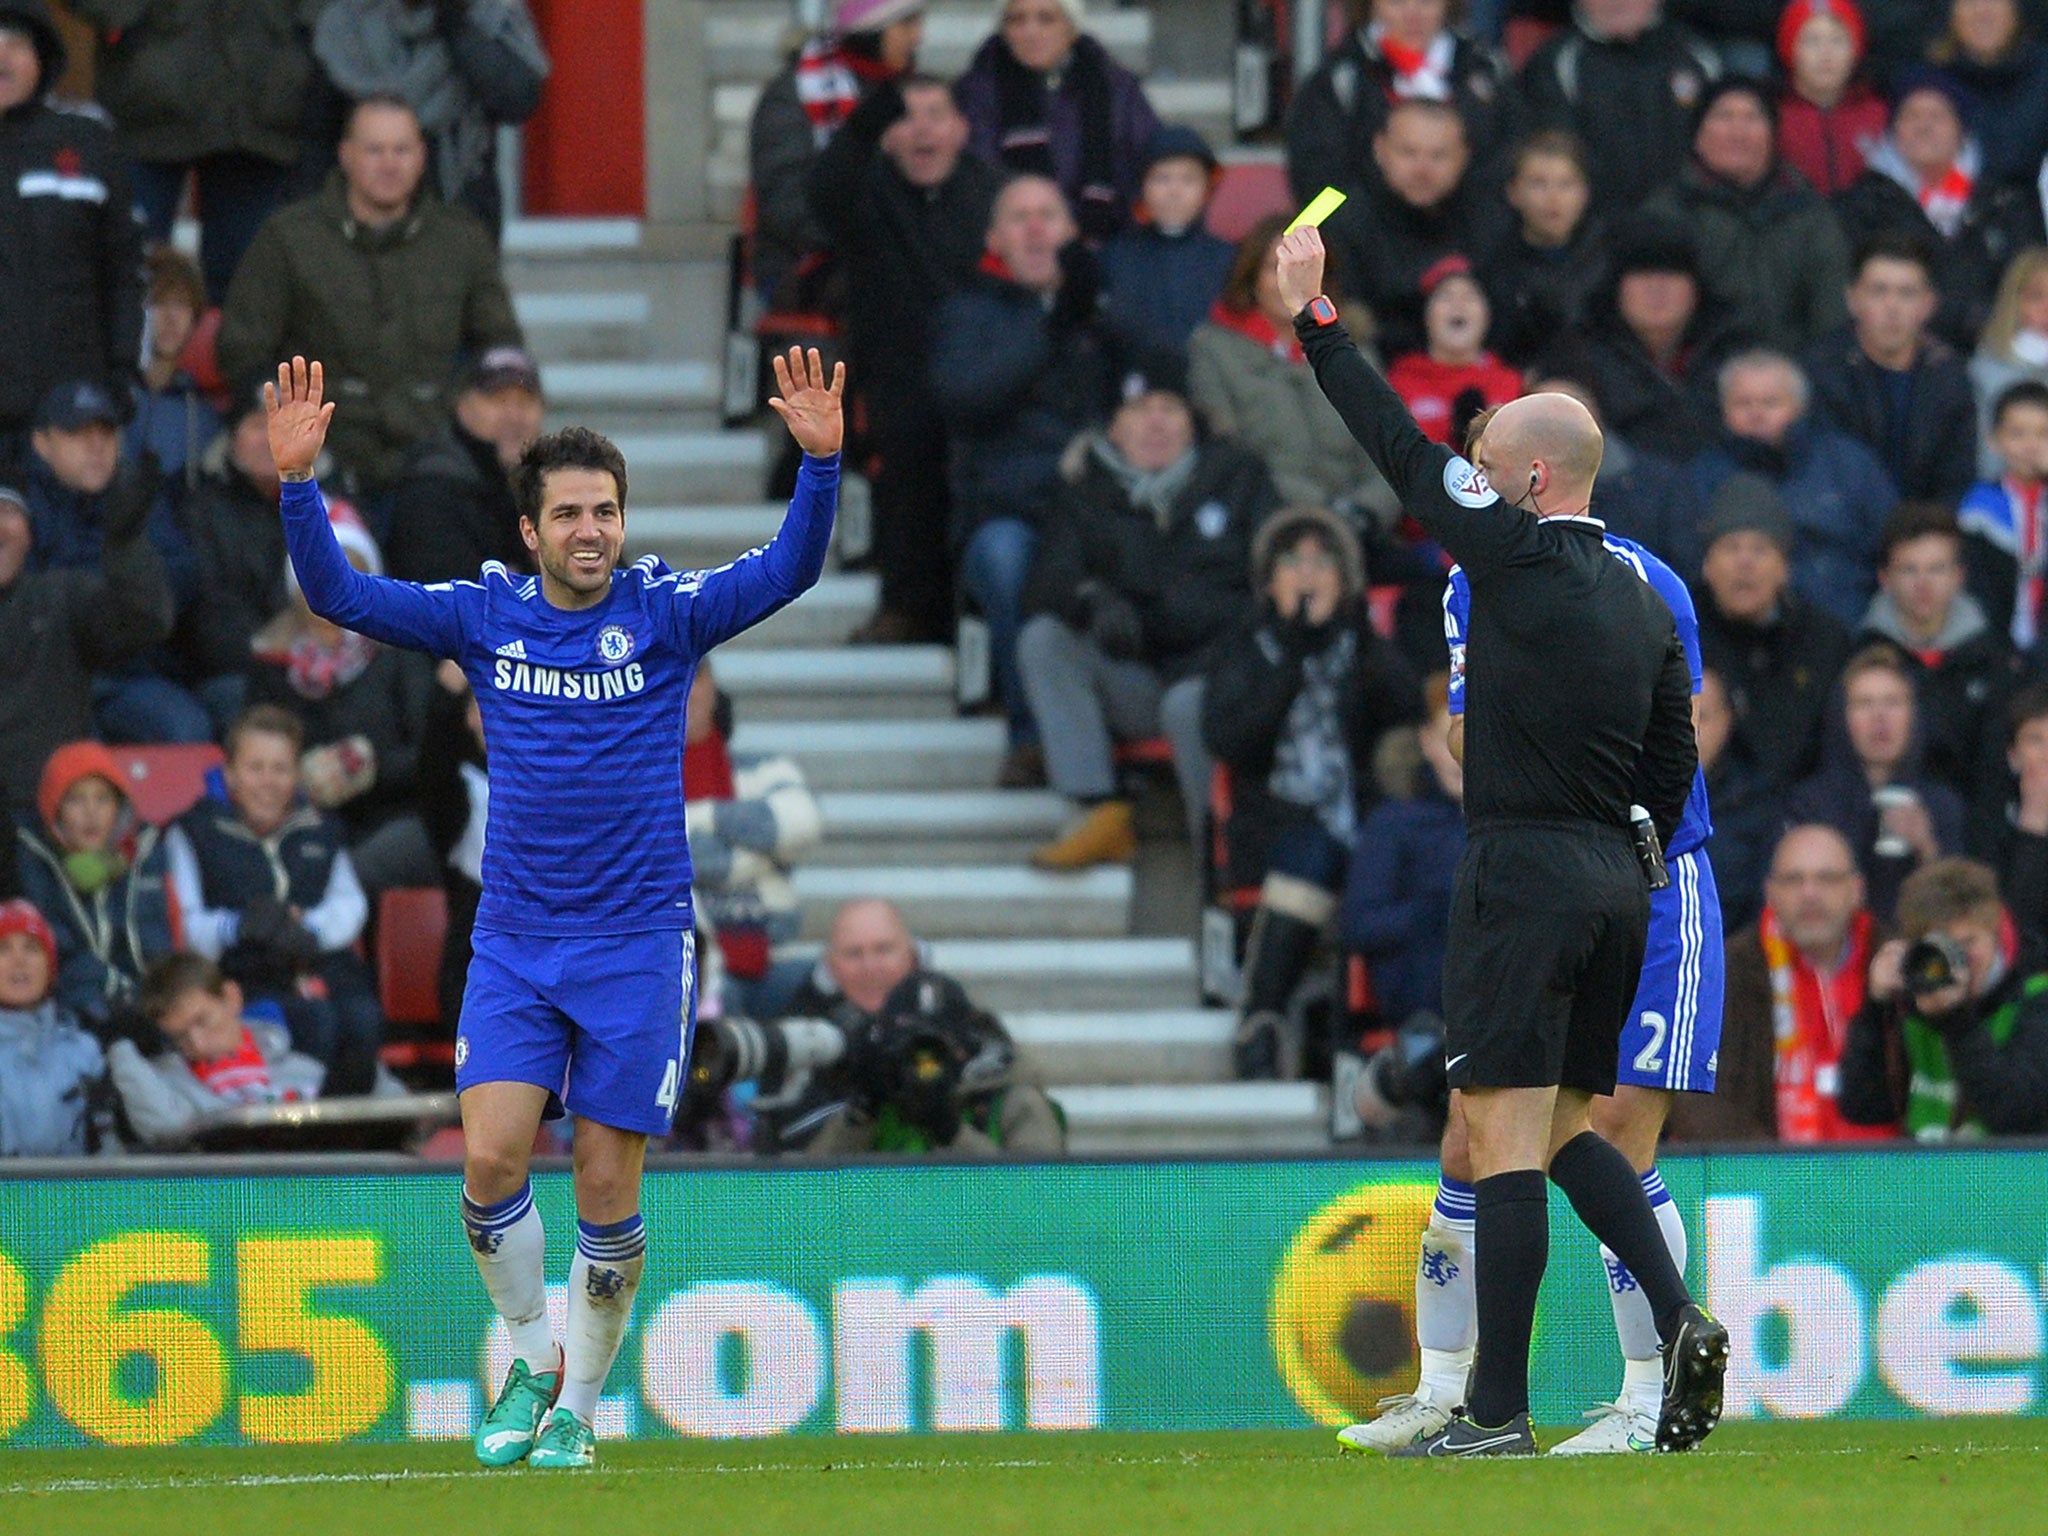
point(603, 1023)
point(1673, 1035)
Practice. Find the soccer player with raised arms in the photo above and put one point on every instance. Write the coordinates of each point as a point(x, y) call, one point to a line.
point(582, 993)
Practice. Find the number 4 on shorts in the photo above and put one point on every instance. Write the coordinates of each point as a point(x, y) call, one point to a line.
point(666, 1099)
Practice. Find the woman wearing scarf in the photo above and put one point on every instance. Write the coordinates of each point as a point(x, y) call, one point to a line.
point(466, 67)
point(364, 710)
point(1399, 50)
point(1044, 98)
point(2013, 347)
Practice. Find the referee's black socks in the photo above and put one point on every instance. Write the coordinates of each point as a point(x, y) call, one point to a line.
point(1510, 1247)
point(1605, 1189)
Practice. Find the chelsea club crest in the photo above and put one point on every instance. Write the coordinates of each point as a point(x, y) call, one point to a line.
point(614, 643)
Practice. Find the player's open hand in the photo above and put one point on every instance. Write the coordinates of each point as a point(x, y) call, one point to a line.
point(1300, 259)
point(807, 404)
point(296, 417)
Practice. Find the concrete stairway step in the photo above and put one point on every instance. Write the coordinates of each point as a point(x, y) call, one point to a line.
point(925, 826)
point(593, 326)
point(1139, 1046)
point(657, 386)
point(976, 900)
point(863, 682)
point(676, 467)
point(695, 538)
point(921, 754)
point(634, 304)
point(1018, 976)
point(823, 616)
point(1191, 1118)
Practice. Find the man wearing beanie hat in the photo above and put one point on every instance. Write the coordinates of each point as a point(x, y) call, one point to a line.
point(1296, 702)
point(1653, 343)
point(100, 876)
point(1769, 248)
point(799, 112)
point(1828, 115)
point(52, 1073)
point(70, 244)
point(1776, 652)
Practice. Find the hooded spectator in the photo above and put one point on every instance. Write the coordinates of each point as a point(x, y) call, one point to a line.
point(454, 508)
point(799, 112)
point(1541, 278)
point(210, 94)
point(907, 211)
point(1777, 653)
point(71, 305)
point(1926, 183)
point(465, 67)
point(1397, 50)
point(1836, 492)
point(1829, 116)
point(52, 1073)
point(382, 282)
point(1161, 277)
point(1625, 80)
point(1769, 247)
point(98, 873)
point(1043, 98)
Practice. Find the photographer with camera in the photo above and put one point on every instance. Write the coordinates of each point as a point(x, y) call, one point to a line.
point(880, 1054)
point(1952, 1039)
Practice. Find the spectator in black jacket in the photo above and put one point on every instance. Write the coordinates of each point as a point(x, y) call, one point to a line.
point(1871, 786)
point(1653, 343)
point(1925, 183)
point(1777, 653)
point(1144, 561)
point(1887, 380)
point(1425, 206)
point(454, 507)
point(1625, 81)
point(1400, 50)
point(1021, 363)
point(362, 709)
point(2021, 853)
point(2000, 60)
point(1295, 704)
point(1162, 276)
point(1543, 276)
point(906, 211)
point(70, 244)
point(56, 629)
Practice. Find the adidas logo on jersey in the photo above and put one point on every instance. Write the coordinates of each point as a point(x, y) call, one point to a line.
point(516, 649)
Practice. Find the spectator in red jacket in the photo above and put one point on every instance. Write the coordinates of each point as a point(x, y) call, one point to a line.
point(1829, 118)
point(1457, 378)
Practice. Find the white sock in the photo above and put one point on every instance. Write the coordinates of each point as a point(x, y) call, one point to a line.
point(602, 1282)
point(1642, 1385)
point(1446, 1311)
point(511, 1255)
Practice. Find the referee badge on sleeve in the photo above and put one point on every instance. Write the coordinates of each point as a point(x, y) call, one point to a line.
point(1465, 484)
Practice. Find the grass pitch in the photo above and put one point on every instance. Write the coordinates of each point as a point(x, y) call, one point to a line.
point(1866, 1479)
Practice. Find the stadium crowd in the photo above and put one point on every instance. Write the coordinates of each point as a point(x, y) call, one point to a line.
point(1792, 257)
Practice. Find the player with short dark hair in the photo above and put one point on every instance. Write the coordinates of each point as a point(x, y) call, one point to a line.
point(582, 991)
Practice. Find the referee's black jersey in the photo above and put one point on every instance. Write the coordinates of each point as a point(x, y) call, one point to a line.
point(1578, 699)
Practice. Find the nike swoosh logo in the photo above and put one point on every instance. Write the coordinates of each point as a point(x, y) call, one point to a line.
point(1456, 1059)
point(498, 1439)
point(1476, 1445)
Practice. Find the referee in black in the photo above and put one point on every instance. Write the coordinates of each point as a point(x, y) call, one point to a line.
point(1578, 704)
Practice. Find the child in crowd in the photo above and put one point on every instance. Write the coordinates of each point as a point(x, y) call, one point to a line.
point(172, 417)
point(1160, 278)
point(1457, 378)
point(98, 874)
point(1541, 279)
point(51, 1071)
point(267, 889)
point(2005, 541)
point(215, 1055)
point(1829, 119)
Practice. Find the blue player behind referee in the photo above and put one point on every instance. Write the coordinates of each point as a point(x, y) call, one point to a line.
point(582, 992)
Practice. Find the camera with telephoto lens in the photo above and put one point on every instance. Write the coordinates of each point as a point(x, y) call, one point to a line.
point(735, 1050)
point(1934, 964)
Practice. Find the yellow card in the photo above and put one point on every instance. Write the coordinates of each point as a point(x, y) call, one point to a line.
point(1321, 206)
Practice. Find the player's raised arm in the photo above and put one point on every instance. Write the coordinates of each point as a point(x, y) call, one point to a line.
point(395, 612)
point(747, 591)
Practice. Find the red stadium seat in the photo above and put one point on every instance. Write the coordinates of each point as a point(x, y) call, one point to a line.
point(163, 783)
point(1150, 752)
point(411, 925)
point(1246, 191)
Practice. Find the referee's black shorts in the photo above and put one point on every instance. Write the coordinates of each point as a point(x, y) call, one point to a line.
point(1548, 924)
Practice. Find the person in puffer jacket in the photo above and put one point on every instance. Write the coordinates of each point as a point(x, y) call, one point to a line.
point(52, 1074)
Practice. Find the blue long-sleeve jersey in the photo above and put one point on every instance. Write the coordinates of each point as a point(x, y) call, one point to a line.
point(583, 710)
point(1696, 825)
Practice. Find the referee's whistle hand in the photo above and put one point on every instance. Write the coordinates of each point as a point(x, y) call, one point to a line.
point(1300, 259)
